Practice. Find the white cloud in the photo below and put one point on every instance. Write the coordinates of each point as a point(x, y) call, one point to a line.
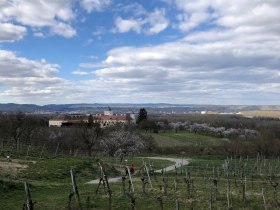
point(37, 13)
point(235, 62)
point(23, 78)
point(57, 16)
point(81, 73)
point(157, 21)
point(38, 34)
point(135, 8)
point(126, 25)
point(10, 32)
point(63, 30)
point(52, 14)
point(188, 22)
point(95, 5)
point(13, 66)
point(147, 23)
point(229, 14)
point(229, 55)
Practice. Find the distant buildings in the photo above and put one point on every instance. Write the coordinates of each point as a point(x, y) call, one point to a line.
point(104, 120)
point(69, 120)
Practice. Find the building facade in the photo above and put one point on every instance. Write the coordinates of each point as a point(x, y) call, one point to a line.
point(104, 120)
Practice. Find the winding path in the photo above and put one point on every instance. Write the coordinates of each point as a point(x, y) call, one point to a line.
point(177, 163)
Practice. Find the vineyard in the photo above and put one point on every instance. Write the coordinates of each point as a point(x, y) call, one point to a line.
point(208, 182)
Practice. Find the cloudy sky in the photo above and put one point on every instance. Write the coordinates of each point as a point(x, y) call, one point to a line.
point(172, 51)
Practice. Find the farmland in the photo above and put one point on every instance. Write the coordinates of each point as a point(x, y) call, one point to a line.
point(233, 164)
point(49, 177)
point(184, 138)
point(240, 182)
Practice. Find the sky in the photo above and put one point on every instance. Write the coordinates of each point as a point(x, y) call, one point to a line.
point(146, 51)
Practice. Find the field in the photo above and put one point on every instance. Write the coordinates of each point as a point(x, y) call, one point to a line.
point(49, 177)
point(262, 113)
point(208, 182)
point(184, 138)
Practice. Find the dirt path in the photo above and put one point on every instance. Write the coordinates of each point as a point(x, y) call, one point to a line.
point(12, 167)
point(177, 163)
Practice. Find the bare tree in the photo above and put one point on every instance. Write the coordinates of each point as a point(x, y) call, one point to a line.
point(90, 136)
point(121, 141)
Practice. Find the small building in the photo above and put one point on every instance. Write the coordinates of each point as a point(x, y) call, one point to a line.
point(203, 112)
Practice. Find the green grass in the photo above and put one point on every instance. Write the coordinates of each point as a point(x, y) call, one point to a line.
point(50, 184)
point(184, 138)
point(57, 169)
point(137, 161)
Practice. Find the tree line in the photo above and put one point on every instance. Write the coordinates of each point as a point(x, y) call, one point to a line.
point(19, 131)
point(246, 136)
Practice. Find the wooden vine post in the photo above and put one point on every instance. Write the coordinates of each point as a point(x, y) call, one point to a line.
point(29, 203)
point(56, 150)
point(106, 185)
point(177, 204)
point(165, 185)
point(264, 201)
point(123, 184)
point(228, 183)
point(75, 190)
point(159, 199)
point(148, 174)
point(130, 178)
point(132, 201)
point(41, 155)
point(215, 182)
point(274, 184)
point(210, 193)
point(144, 182)
point(109, 191)
point(27, 152)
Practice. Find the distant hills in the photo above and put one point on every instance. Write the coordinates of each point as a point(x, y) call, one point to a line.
point(163, 108)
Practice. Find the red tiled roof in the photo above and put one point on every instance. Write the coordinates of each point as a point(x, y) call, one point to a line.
point(72, 118)
point(111, 117)
point(79, 118)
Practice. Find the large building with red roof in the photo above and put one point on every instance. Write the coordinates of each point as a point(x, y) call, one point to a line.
point(104, 120)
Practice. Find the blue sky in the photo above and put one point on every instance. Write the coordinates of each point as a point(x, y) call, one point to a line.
point(114, 51)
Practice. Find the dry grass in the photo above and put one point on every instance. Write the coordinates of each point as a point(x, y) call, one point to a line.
point(12, 167)
point(262, 113)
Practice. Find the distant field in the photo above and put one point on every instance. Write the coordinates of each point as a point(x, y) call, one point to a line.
point(183, 138)
point(262, 113)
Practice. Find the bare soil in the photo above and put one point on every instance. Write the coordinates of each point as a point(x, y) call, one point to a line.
point(12, 166)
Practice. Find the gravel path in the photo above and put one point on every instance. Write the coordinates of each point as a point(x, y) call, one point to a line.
point(177, 163)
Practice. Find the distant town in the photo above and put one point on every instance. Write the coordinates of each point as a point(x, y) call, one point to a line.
point(153, 108)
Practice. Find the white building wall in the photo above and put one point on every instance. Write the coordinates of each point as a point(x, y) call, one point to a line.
point(55, 123)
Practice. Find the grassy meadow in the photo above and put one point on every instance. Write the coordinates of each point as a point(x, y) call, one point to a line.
point(184, 138)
